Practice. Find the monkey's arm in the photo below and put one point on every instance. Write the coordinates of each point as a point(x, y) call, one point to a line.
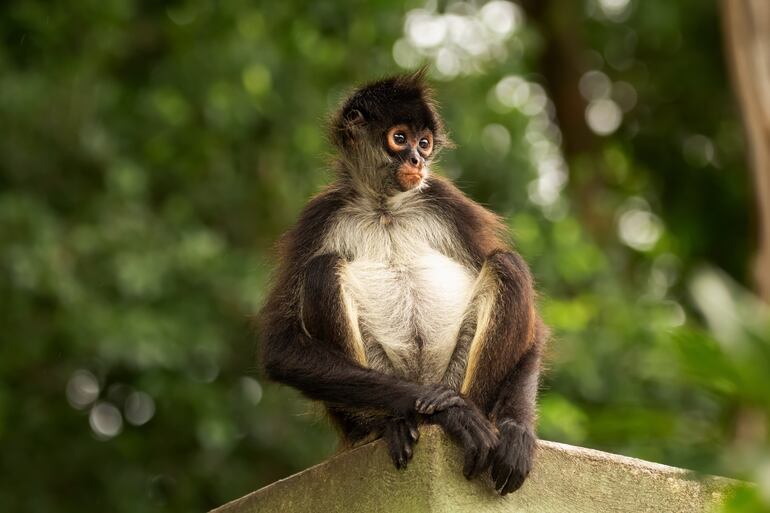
point(308, 345)
point(506, 326)
point(305, 335)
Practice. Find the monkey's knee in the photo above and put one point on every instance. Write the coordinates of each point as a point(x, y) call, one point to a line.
point(508, 266)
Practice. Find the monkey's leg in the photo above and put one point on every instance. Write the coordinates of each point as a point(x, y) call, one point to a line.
point(505, 326)
point(504, 364)
point(495, 352)
point(514, 414)
point(496, 330)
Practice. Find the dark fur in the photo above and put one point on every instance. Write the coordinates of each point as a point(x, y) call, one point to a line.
point(400, 99)
point(306, 336)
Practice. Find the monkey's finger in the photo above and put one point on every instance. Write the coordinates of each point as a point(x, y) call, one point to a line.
point(487, 446)
point(482, 430)
point(472, 454)
point(395, 455)
point(406, 441)
point(489, 434)
point(519, 472)
point(449, 400)
point(481, 462)
point(446, 399)
point(439, 398)
point(411, 428)
point(400, 456)
point(501, 470)
point(427, 405)
point(454, 428)
point(423, 406)
point(430, 403)
point(502, 479)
point(395, 448)
point(515, 480)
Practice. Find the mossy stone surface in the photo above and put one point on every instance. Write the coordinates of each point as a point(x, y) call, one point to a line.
point(564, 479)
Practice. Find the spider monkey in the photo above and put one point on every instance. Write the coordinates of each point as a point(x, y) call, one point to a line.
point(398, 301)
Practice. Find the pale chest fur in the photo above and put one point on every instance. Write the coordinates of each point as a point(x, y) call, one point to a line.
point(405, 293)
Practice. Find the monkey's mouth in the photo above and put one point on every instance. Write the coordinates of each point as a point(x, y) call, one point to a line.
point(409, 177)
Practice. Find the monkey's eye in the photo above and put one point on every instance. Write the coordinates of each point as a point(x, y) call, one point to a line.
point(396, 138)
point(424, 143)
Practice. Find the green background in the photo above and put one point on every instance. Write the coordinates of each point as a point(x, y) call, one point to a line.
point(152, 152)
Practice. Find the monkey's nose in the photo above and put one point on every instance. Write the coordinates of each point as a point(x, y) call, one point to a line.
point(415, 160)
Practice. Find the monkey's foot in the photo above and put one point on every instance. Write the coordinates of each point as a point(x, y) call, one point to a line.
point(401, 435)
point(468, 426)
point(512, 460)
point(437, 398)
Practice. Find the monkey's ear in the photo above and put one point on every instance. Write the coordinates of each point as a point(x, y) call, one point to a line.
point(355, 118)
point(348, 131)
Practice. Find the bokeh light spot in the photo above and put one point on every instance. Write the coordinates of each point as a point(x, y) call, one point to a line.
point(425, 30)
point(182, 15)
point(624, 94)
point(256, 79)
point(139, 408)
point(496, 139)
point(615, 10)
point(501, 17)
point(594, 85)
point(251, 389)
point(105, 420)
point(639, 228)
point(698, 150)
point(82, 389)
point(603, 116)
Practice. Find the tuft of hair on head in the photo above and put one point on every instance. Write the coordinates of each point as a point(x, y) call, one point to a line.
point(404, 98)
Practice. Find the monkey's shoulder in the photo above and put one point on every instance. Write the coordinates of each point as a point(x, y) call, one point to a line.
point(481, 229)
point(306, 235)
point(323, 206)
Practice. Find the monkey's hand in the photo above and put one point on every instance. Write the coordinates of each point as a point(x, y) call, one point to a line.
point(470, 428)
point(512, 459)
point(401, 434)
point(437, 398)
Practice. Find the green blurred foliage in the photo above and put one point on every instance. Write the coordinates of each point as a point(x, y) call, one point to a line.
point(151, 153)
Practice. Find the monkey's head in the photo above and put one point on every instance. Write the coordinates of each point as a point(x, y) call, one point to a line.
point(388, 132)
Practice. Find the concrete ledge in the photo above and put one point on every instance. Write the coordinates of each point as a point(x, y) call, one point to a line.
point(564, 479)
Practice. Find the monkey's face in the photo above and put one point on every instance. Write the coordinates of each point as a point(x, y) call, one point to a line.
point(387, 133)
point(409, 150)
